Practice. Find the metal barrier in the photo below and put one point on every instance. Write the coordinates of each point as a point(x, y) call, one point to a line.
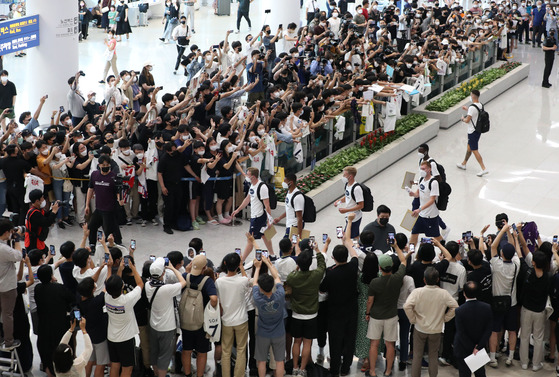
point(323, 143)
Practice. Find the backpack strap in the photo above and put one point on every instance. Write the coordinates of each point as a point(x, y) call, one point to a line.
point(353, 189)
point(258, 190)
point(153, 296)
point(478, 110)
point(201, 285)
point(187, 281)
point(293, 198)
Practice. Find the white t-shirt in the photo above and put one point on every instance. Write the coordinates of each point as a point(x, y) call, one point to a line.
point(299, 204)
point(407, 287)
point(453, 279)
point(231, 291)
point(503, 274)
point(425, 195)
point(256, 205)
point(122, 320)
point(349, 202)
point(288, 45)
point(31, 289)
point(474, 114)
point(100, 283)
point(335, 26)
point(162, 316)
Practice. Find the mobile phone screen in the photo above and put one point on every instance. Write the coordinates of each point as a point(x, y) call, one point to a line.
point(238, 251)
point(106, 257)
point(265, 253)
point(311, 238)
point(426, 240)
point(202, 253)
point(324, 238)
point(77, 315)
point(258, 254)
point(340, 232)
point(555, 239)
point(127, 260)
point(294, 239)
point(52, 250)
point(391, 238)
point(99, 234)
point(412, 247)
point(152, 258)
point(166, 261)
point(133, 244)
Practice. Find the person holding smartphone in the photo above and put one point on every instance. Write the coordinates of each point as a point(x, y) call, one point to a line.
point(38, 221)
point(294, 206)
point(64, 359)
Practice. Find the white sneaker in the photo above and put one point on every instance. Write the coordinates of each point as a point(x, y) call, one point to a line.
point(508, 362)
point(524, 366)
point(460, 166)
point(445, 232)
point(482, 173)
point(536, 368)
point(494, 364)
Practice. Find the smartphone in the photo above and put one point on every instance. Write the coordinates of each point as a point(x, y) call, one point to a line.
point(265, 253)
point(238, 251)
point(258, 254)
point(202, 253)
point(166, 261)
point(99, 235)
point(555, 238)
point(513, 225)
point(52, 250)
point(312, 239)
point(355, 243)
point(215, 46)
point(107, 257)
point(46, 96)
point(294, 239)
point(77, 315)
point(133, 244)
point(391, 238)
point(152, 258)
point(340, 232)
point(468, 236)
point(274, 105)
point(23, 253)
point(412, 248)
point(280, 26)
point(127, 260)
point(324, 238)
point(230, 31)
point(61, 109)
point(426, 240)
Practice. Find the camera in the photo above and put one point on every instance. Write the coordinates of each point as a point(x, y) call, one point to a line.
point(81, 73)
point(120, 185)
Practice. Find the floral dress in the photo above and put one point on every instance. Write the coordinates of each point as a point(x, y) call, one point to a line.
point(362, 343)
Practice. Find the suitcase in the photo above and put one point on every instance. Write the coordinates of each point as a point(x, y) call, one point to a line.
point(223, 7)
point(143, 19)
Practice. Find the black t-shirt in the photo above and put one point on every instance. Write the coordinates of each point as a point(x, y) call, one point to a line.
point(535, 291)
point(67, 276)
point(91, 109)
point(7, 93)
point(340, 282)
point(14, 168)
point(21, 319)
point(97, 320)
point(172, 168)
point(141, 307)
point(417, 270)
point(484, 278)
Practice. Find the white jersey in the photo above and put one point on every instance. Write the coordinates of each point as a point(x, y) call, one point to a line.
point(256, 204)
point(349, 202)
point(293, 206)
point(425, 195)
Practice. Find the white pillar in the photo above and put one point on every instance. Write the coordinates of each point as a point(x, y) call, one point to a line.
point(282, 12)
point(56, 58)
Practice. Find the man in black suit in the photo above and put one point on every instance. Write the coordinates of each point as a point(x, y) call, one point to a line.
point(473, 328)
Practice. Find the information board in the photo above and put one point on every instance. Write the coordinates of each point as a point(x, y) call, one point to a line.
point(19, 34)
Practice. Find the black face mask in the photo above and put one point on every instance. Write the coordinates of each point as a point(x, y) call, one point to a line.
point(383, 221)
point(183, 22)
point(159, 144)
point(499, 224)
point(105, 169)
point(110, 141)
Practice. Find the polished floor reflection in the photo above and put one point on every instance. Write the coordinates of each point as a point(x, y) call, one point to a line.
point(521, 152)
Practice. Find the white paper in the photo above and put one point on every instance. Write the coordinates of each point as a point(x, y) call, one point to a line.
point(409, 177)
point(474, 362)
point(408, 221)
point(368, 95)
point(376, 88)
point(407, 88)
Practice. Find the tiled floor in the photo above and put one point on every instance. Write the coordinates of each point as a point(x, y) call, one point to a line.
point(521, 152)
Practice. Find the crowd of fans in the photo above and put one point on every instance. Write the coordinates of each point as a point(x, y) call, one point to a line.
point(186, 148)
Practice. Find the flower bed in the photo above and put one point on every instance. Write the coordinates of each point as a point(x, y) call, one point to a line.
point(454, 96)
point(369, 144)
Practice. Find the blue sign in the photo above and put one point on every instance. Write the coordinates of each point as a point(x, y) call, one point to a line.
point(19, 34)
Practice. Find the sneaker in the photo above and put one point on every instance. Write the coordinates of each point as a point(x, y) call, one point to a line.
point(368, 374)
point(524, 366)
point(128, 221)
point(174, 72)
point(424, 364)
point(143, 223)
point(61, 225)
point(16, 343)
point(402, 366)
point(162, 39)
point(445, 232)
point(154, 222)
point(249, 28)
point(193, 31)
point(213, 222)
point(302, 373)
point(200, 220)
point(536, 368)
point(101, 81)
point(557, 371)
point(494, 364)
point(460, 166)
point(320, 359)
point(295, 372)
point(508, 362)
point(195, 225)
point(225, 221)
point(443, 362)
point(167, 229)
point(237, 32)
point(482, 173)
point(68, 222)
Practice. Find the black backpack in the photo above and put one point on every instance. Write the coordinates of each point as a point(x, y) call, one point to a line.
point(309, 210)
point(444, 194)
point(368, 201)
point(483, 124)
point(440, 168)
point(271, 194)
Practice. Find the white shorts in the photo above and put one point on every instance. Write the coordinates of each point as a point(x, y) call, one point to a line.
point(100, 354)
point(388, 327)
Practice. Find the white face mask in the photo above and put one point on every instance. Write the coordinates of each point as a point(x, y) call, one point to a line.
point(126, 152)
point(4, 79)
point(43, 203)
point(69, 122)
point(185, 137)
point(214, 147)
point(261, 132)
point(81, 139)
point(92, 99)
point(200, 153)
point(45, 152)
point(174, 103)
point(83, 153)
point(150, 69)
point(58, 155)
point(421, 155)
point(231, 149)
point(140, 156)
point(344, 180)
point(126, 77)
point(253, 139)
point(92, 129)
point(335, 15)
point(423, 174)
point(471, 99)
point(247, 179)
point(408, 65)
point(285, 185)
point(29, 139)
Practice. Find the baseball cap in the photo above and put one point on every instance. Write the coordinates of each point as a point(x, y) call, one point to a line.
point(385, 261)
point(508, 251)
point(198, 264)
point(26, 133)
point(157, 268)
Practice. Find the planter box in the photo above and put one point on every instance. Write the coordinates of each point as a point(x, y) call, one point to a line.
point(451, 116)
point(332, 189)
